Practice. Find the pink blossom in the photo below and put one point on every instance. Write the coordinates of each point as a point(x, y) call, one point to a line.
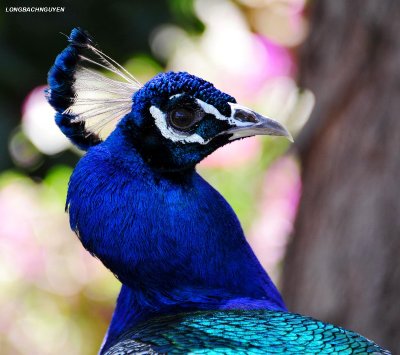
point(270, 232)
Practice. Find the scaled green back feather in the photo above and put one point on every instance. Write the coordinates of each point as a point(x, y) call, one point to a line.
point(241, 332)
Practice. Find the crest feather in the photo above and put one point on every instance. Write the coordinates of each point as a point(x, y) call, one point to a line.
point(88, 103)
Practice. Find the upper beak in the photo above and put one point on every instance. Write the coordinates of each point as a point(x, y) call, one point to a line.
point(246, 123)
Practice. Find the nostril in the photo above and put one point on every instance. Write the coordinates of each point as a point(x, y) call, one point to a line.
point(245, 116)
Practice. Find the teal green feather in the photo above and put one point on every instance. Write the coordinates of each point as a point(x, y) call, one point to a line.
point(241, 332)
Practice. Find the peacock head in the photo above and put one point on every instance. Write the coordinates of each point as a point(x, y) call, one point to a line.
point(177, 119)
point(173, 121)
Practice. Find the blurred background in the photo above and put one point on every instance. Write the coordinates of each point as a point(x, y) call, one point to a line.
point(322, 215)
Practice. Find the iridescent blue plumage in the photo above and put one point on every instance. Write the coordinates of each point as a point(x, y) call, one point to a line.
point(173, 241)
point(137, 203)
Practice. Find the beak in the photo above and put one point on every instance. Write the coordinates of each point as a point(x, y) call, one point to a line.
point(246, 123)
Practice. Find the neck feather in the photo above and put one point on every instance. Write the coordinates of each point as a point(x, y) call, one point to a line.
point(173, 241)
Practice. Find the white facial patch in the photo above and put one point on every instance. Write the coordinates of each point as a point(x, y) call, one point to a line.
point(160, 119)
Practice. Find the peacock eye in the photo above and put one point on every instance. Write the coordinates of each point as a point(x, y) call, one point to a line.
point(182, 118)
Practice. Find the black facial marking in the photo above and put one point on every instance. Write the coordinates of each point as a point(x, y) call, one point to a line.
point(245, 116)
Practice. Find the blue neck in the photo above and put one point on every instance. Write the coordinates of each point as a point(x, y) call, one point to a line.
point(173, 241)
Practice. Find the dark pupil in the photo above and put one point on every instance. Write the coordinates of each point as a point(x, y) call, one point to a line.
point(182, 118)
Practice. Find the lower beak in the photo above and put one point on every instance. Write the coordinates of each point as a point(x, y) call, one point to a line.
point(246, 123)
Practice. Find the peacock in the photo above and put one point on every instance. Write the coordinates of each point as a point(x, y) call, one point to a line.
point(190, 281)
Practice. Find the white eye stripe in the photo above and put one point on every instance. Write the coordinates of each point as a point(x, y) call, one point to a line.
point(207, 108)
point(175, 96)
point(160, 119)
point(231, 120)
